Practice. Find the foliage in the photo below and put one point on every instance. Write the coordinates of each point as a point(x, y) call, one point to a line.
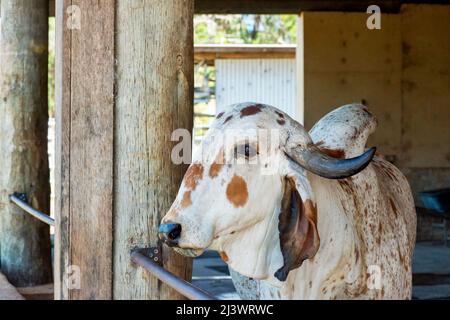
point(245, 29)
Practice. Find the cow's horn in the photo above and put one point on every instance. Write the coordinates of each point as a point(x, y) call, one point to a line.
point(314, 160)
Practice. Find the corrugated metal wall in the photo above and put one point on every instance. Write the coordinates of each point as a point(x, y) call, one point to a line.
point(270, 81)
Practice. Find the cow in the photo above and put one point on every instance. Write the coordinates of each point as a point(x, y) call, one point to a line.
point(330, 220)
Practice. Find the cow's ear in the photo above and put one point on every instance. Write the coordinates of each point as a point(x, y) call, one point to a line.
point(299, 239)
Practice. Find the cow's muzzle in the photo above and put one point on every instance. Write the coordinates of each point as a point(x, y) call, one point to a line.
point(170, 233)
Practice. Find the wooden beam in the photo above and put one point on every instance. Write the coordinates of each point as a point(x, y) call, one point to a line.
point(154, 96)
point(25, 241)
point(289, 6)
point(84, 150)
point(212, 52)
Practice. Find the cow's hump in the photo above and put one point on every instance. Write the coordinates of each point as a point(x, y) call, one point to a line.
point(345, 130)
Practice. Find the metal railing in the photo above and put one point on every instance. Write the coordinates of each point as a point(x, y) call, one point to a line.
point(19, 199)
point(183, 287)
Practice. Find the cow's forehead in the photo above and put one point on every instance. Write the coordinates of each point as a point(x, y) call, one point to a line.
point(250, 115)
point(269, 125)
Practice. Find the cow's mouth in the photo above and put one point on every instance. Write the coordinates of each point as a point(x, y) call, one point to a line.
point(188, 252)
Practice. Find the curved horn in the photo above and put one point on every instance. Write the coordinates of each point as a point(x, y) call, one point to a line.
point(314, 160)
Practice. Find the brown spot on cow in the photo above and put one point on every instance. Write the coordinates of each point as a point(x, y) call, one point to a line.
point(223, 256)
point(318, 144)
point(281, 122)
point(279, 114)
point(217, 165)
point(186, 201)
point(393, 207)
point(250, 110)
point(227, 119)
point(220, 115)
point(335, 153)
point(193, 175)
point(237, 192)
point(310, 210)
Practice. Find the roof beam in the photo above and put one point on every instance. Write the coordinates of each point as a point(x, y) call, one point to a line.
point(289, 6)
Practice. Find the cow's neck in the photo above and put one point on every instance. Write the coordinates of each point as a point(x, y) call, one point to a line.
point(251, 251)
point(256, 252)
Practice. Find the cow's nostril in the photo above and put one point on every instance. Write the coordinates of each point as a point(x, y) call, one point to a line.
point(175, 233)
point(170, 232)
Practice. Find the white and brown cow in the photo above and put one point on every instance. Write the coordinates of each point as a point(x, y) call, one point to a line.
point(329, 222)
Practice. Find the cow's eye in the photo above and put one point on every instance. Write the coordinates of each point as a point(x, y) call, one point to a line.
point(246, 150)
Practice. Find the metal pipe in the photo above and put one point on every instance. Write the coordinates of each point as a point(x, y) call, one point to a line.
point(27, 208)
point(185, 288)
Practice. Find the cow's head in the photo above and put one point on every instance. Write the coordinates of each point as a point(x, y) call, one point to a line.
point(250, 198)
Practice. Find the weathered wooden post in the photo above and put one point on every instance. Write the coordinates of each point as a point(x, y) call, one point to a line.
point(124, 83)
point(154, 52)
point(24, 241)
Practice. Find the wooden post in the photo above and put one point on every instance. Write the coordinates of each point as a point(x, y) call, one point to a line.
point(24, 241)
point(124, 83)
point(154, 52)
point(84, 149)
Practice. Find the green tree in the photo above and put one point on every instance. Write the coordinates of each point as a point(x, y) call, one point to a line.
point(245, 29)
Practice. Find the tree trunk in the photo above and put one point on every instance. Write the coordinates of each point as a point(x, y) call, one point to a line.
point(154, 96)
point(24, 241)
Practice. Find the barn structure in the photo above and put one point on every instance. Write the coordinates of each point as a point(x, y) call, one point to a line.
point(124, 82)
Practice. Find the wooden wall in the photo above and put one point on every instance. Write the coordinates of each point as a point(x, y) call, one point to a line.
point(401, 72)
point(345, 62)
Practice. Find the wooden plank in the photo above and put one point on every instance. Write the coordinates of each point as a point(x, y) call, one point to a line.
point(154, 52)
point(213, 52)
point(62, 150)
point(25, 241)
point(42, 292)
point(85, 122)
point(91, 148)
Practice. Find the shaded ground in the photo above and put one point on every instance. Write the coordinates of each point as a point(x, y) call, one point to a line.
point(431, 266)
point(211, 274)
point(431, 263)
